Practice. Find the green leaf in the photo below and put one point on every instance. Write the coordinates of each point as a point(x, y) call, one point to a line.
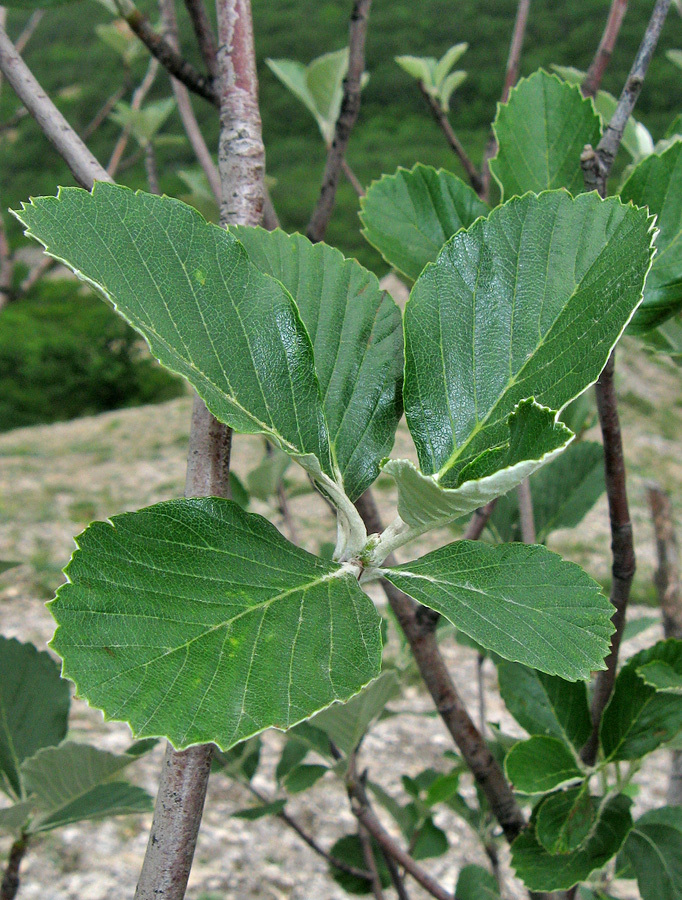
point(509, 311)
point(447, 61)
point(410, 215)
point(347, 723)
point(532, 438)
point(541, 132)
point(636, 138)
point(563, 491)
point(348, 849)
point(300, 778)
point(541, 764)
point(654, 849)
point(448, 87)
point(565, 819)
point(633, 627)
point(238, 492)
point(675, 57)
point(544, 704)
point(292, 74)
point(264, 480)
point(239, 762)
point(543, 871)
point(294, 752)
point(443, 788)
point(356, 330)
point(657, 184)
point(119, 37)
point(476, 883)
point(423, 68)
point(205, 310)
point(13, 819)
point(429, 841)
point(199, 622)
point(324, 78)
point(519, 600)
point(252, 813)
point(34, 708)
point(667, 338)
point(143, 123)
point(72, 782)
point(638, 718)
point(662, 677)
point(5, 565)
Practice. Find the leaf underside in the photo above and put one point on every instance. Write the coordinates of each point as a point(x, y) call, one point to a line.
point(196, 621)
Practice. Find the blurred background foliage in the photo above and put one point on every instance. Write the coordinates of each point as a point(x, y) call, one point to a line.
point(394, 128)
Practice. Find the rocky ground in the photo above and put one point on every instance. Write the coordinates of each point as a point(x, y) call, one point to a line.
point(54, 480)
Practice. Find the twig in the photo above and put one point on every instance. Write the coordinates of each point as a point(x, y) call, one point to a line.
point(526, 517)
point(510, 76)
point(10, 879)
point(138, 97)
point(596, 167)
point(204, 33)
point(443, 122)
point(184, 101)
point(29, 30)
point(478, 521)
point(418, 625)
point(396, 877)
point(46, 264)
point(169, 58)
point(480, 686)
point(368, 852)
point(597, 163)
point(602, 57)
point(366, 816)
point(103, 112)
point(151, 169)
point(667, 580)
point(83, 165)
point(184, 780)
point(352, 178)
point(350, 106)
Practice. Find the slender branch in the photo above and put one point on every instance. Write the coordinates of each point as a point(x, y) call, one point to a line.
point(184, 101)
point(510, 76)
point(46, 264)
point(596, 167)
point(480, 688)
point(84, 167)
point(10, 879)
point(136, 102)
point(418, 625)
point(526, 517)
point(350, 106)
point(371, 863)
point(169, 57)
point(204, 33)
point(366, 816)
point(396, 877)
point(597, 163)
point(103, 112)
point(352, 178)
point(151, 169)
point(602, 57)
point(478, 521)
point(443, 122)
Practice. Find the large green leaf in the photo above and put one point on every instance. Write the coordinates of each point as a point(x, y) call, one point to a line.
point(207, 313)
point(563, 492)
point(526, 303)
point(662, 676)
point(657, 183)
point(638, 718)
point(346, 724)
point(13, 819)
point(544, 704)
point(199, 622)
point(73, 782)
point(543, 871)
point(565, 819)
point(521, 601)
point(476, 883)
point(541, 764)
point(541, 131)
point(34, 708)
point(654, 850)
point(356, 330)
point(410, 215)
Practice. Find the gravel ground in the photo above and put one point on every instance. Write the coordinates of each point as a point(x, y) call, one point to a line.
point(54, 479)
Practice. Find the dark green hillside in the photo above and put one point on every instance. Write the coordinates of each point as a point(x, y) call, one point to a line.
point(394, 128)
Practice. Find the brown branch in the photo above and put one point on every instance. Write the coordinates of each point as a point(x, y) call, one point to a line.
point(368, 853)
point(353, 179)
point(183, 101)
point(478, 521)
point(443, 122)
point(602, 57)
point(597, 163)
point(46, 264)
point(510, 76)
point(526, 517)
point(596, 167)
point(83, 165)
point(350, 107)
point(667, 581)
point(136, 102)
point(204, 34)
point(10, 879)
point(169, 57)
point(418, 625)
point(396, 877)
point(103, 112)
point(367, 818)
